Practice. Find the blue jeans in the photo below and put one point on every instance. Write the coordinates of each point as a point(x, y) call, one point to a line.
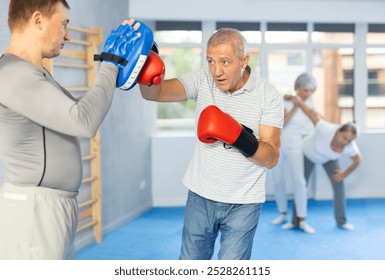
point(205, 218)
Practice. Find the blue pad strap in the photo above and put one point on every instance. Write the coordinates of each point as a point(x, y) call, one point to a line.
point(110, 57)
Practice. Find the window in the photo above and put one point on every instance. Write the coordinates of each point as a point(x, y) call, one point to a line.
point(180, 46)
point(333, 70)
point(376, 34)
point(375, 63)
point(286, 55)
point(284, 66)
point(333, 67)
point(333, 33)
point(179, 61)
point(281, 51)
point(178, 32)
point(255, 60)
point(286, 33)
point(250, 30)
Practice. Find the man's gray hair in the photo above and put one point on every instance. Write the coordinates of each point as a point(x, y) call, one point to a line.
point(229, 36)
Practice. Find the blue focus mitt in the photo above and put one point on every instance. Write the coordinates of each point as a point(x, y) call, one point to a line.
point(127, 50)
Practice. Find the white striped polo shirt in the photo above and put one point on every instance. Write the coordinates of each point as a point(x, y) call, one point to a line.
point(225, 175)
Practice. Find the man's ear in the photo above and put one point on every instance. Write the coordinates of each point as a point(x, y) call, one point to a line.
point(245, 61)
point(37, 19)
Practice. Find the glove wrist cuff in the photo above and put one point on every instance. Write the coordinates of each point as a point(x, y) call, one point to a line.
point(247, 143)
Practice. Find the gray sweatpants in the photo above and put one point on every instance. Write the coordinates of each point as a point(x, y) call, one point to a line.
point(339, 200)
point(37, 223)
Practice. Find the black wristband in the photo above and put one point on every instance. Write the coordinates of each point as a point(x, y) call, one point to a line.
point(246, 142)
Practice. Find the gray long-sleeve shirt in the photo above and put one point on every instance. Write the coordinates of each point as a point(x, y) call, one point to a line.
point(40, 123)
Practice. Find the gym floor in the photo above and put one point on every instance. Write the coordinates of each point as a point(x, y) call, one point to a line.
point(156, 235)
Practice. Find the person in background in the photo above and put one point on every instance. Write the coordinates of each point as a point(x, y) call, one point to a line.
point(239, 119)
point(288, 174)
point(325, 146)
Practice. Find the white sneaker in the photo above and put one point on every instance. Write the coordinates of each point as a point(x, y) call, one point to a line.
point(279, 220)
point(347, 226)
point(306, 228)
point(288, 226)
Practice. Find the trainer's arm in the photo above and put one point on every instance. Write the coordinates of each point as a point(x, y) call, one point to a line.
point(170, 90)
point(44, 102)
point(267, 153)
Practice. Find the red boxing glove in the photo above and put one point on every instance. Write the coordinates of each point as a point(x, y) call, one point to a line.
point(213, 125)
point(152, 72)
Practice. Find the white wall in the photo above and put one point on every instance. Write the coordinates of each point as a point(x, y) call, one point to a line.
point(171, 154)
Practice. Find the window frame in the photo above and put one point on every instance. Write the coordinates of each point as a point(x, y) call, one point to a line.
point(359, 45)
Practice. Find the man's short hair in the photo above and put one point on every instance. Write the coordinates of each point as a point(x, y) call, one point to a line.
point(20, 11)
point(229, 36)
